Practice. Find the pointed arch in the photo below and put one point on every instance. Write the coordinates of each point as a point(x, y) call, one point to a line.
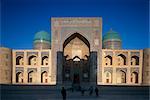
point(134, 77)
point(122, 59)
point(32, 60)
point(76, 45)
point(108, 77)
point(76, 52)
point(108, 60)
point(45, 60)
point(134, 60)
point(44, 77)
point(76, 58)
point(19, 60)
point(74, 36)
point(121, 76)
point(19, 77)
point(31, 76)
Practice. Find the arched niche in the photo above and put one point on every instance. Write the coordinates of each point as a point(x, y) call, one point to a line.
point(134, 77)
point(32, 60)
point(19, 60)
point(76, 45)
point(19, 77)
point(45, 60)
point(108, 77)
point(122, 59)
point(134, 60)
point(44, 77)
point(121, 76)
point(108, 60)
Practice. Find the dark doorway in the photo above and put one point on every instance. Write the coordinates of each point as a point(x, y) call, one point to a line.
point(76, 53)
point(76, 79)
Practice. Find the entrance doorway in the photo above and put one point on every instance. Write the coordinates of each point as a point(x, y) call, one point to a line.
point(76, 66)
point(76, 79)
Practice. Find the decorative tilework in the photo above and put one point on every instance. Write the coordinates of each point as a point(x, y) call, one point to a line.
point(44, 69)
point(19, 69)
point(134, 69)
point(109, 69)
point(32, 69)
point(44, 54)
point(32, 53)
point(123, 69)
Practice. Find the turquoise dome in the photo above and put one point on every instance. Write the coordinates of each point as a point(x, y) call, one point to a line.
point(111, 35)
point(42, 36)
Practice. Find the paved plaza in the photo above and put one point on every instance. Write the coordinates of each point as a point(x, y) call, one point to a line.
point(27, 92)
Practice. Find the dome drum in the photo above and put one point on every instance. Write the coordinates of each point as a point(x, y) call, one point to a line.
point(40, 45)
point(112, 45)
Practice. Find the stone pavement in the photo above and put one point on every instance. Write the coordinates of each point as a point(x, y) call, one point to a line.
point(19, 92)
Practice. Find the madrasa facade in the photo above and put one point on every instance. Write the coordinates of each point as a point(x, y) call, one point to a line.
point(75, 53)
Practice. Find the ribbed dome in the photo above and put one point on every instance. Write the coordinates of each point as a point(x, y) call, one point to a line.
point(42, 36)
point(111, 40)
point(111, 35)
point(42, 40)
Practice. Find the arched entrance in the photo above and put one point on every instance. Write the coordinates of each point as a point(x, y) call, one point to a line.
point(134, 77)
point(32, 76)
point(121, 76)
point(19, 77)
point(108, 77)
point(76, 52)
point(44, 77)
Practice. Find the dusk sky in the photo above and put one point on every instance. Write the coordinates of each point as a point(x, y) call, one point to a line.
point(21, 19)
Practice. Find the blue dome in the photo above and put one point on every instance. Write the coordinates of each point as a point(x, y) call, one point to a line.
point(111, 35)
point(42, 36)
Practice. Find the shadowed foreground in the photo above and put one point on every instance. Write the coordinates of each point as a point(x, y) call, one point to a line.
point(34, 92)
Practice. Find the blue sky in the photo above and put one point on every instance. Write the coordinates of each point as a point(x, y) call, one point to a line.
point(21, 19)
